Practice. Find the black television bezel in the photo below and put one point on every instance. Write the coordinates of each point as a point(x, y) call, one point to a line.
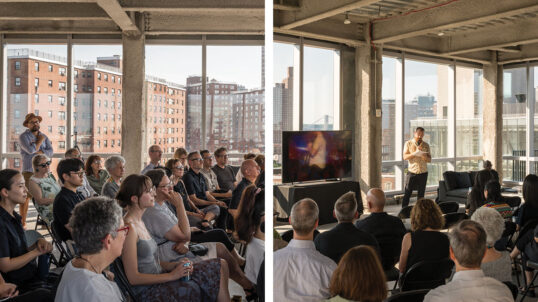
point(285, 152)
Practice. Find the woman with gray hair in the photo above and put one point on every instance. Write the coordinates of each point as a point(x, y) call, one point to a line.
point(99, 233)
point(43, 187)
point(115, 165)
point(495, 264)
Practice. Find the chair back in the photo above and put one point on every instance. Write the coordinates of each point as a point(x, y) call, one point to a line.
point(405, 212)
point(426, 274)
point(452, 219)
point(449, 207)
point(409, 296)
point(121, 279)
point(513, 288)
point(390, 250)
point(529, 226)
point(65, 256)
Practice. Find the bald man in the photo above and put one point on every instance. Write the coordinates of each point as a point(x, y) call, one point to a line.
point(250, 171)
point(387, 230)
point(155, 153)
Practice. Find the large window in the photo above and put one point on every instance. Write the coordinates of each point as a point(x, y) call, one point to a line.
point(90, 60)
point(469, 98)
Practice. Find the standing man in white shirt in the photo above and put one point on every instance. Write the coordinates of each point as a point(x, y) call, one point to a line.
point(467, 248)
point(417, 152)
point(301, 273)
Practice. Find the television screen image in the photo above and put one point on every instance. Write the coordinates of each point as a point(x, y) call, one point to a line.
point(315, 155)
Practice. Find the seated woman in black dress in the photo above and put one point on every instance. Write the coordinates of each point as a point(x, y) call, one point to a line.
point(425, 242)
point(529, 210)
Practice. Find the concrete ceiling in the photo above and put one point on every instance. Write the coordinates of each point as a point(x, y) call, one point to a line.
point(132, 17)
point(457, 29)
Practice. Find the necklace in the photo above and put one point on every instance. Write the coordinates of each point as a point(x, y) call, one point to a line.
point(86, 260)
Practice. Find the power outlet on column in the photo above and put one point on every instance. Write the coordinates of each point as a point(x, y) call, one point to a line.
point(378, 113)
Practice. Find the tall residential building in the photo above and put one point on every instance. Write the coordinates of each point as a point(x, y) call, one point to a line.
point(282, 111)
point(248, 119)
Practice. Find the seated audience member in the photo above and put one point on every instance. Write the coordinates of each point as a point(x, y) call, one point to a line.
point(528, 210)
point(225, 173)
point(172, 231)
point(155, 280)
point(197, 188)
point(358, 277)
point(96, 175)
point(494, 200)
point(489, 167)
point(239, 175)
point(260, 160)
point(211, 177)
point(300, 272)
point(182, 155)
point(10, 293)
point(155, 154)
point(335, 242)
point(99, 233)
point(496, 264)
point(115, 165)
point(248, 226)
point(85, 189)
point(43, 187)
point(528, 243)
point(197, 217)
point(467, 248)
point(250, 174)
point(387, 230)
point(425, 242)
point(70, 171)
point(476, 198)
point(17, 261)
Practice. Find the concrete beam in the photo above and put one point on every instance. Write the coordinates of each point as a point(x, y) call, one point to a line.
point(114, 10)
point(527, 52)
point(317, 36)
point(315, 10)
point(450, 16)
point(519, 33)
point(286, 7)
point(206, 23)
point(52, 11)
point(192, 5)
point(58, 27)
point(133, 134)
point(478, 57)
point(492, 117)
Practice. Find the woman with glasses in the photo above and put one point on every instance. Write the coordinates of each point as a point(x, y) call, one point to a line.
point(96, 175)
point(99, 233)
point(43, 187)
point(115, 165)
point(156, 280)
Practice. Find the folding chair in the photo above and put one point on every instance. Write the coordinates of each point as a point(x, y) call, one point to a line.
point(121, 279)
point(65, 256)
point(426, 274)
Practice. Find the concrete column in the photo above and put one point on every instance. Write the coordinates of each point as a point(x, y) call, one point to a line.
point(134, 122)
point(347, 83)
point(367, 151)
point(493, 116)
point(3, 101)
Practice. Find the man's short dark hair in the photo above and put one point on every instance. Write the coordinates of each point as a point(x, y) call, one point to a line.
point(189, 157)
point(68, 165)
point(204, 152)
point(419, 128)
point(69, 153)
point(219, 151)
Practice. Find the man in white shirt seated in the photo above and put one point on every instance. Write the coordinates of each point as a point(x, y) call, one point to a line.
point(467, 248)
point(301, 273)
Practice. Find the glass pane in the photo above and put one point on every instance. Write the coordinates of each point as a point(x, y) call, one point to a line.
point(426, 103)
point(284, 75)
point(435, 173)
point(391, 178)
point(97, 98)
point(533, 97)
point(235, 112)
point(388, 120)
point(514, 170)
point(33, 77)
point(321, 89)
point(468, 165)
point(514, 110)
point(173, 83)
point(468, 111)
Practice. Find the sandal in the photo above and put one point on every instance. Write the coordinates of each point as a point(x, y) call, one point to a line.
point(531, 293)
point(251, 294)
point(205, 227)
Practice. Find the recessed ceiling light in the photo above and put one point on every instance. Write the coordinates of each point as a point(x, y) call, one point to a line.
point(441, 34)
point(346, 21)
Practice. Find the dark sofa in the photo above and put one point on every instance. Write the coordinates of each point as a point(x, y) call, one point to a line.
point(456, 185)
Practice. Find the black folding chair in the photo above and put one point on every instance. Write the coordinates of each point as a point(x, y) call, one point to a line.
point(527, 288)
point(426, 274)
point(449, 207)
point(65, 256)
point(405, 212)
point(409, 296)
point(517, 262)
point(451, 219)
point(121, 279)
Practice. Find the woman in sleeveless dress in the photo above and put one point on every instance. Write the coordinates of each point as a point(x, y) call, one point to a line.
point(43, 187)
point(155, 280)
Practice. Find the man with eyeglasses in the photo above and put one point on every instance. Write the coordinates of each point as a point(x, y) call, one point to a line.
point(197, 187)
point(225, 173)
point(71, 172)
point(211, 177)
point(155, 154)
point(86, 189)
point(31, 142)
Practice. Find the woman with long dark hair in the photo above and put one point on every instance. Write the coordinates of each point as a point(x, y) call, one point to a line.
point(494, 200)
point(476, 197)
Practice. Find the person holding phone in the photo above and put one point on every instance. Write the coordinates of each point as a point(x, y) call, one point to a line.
point(417, 152)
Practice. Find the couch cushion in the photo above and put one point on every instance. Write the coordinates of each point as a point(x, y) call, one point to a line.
point(472, 174)
point(460, 193)
point(464, 180)
point(450, 178)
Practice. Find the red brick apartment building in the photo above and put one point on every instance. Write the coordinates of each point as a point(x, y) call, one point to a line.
point(37, 82)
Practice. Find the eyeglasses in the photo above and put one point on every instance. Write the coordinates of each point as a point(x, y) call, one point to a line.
point(125, 228)
point(225, 155)
point(167, 185)
point(196, 159)
point(45, 164)
point(150, 191)
point(179, 168)
point(79, 173)
point(97, 162)
point(209, 157)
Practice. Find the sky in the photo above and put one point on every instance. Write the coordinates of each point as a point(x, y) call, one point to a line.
point(239, 64)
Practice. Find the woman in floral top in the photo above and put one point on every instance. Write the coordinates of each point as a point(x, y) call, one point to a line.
point(43, 187)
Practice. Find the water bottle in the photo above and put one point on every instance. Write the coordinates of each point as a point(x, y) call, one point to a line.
point(188, 277)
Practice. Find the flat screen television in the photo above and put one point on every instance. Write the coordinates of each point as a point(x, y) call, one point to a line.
point(315, 155)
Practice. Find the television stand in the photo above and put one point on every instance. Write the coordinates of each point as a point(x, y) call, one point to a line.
point(324, 193)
